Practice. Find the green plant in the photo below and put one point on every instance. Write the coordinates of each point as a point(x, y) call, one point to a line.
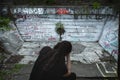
point(96, 5)
point(5, 74)
point(17, 67)
point(4, 24)
point(60, 29)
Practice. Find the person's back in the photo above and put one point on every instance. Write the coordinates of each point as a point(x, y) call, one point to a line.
point(37, 65)
point(52, 66)
point(61, 70)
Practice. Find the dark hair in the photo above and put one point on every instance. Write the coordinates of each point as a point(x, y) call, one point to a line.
point(44, 52)
point(57, 45)
point(64, 47)
point(50, 60)
point(38, 65)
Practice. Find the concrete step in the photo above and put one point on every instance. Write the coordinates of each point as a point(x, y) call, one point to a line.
point(83, 72)
point(107, 69)
point(80, 69)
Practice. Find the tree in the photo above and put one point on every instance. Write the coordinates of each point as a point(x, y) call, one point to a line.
point(60, 30)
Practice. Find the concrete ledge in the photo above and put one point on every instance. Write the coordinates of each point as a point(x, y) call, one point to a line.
point(86, 70)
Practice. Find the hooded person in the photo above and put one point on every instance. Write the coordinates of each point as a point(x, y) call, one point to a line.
point(35, 70)
point(52, 66)
point(65, 48)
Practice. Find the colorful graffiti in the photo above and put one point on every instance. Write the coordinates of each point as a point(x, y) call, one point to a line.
point(42, 29)
point(109, 38)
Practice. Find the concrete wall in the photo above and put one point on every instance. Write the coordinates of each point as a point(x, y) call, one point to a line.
point(109, 38)
point(41, 29)
point(11, 39)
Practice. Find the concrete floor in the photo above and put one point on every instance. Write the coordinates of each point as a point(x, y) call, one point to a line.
point(84, 52)
point(88, 60)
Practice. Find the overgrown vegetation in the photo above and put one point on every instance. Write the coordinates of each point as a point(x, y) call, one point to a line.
point(34, 2)
point(7, 72)
point(96, 5)
point(8, 65)
point(4, 24)
point(2, 55)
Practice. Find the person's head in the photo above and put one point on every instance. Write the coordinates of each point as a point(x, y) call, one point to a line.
point(64, 47)
point(60, 50)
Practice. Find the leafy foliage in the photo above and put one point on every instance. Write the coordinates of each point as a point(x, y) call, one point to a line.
point(50, 1)
point(4, 24)
point(96, 5)
point(5, 74)
point(60, 29)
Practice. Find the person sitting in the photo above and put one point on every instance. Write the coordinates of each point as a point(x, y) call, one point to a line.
point(65, 47)
point(53, 66)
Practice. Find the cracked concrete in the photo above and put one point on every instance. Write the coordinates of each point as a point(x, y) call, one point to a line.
point(82, 52)
point(85, 56)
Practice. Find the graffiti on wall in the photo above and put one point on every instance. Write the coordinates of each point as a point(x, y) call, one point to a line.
point(109, 38)
point(38, 29)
